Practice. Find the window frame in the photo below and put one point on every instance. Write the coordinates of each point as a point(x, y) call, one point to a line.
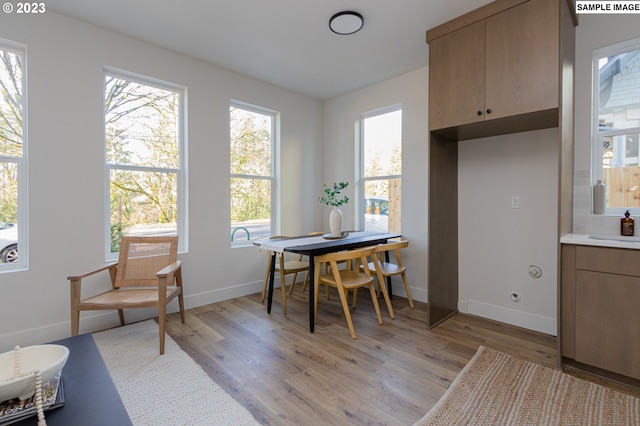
point(597, 172)
point(360, 177)
point(274, 221)
point(181, 172)
point(21, 162)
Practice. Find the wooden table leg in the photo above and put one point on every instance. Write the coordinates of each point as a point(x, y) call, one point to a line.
point(389, 289)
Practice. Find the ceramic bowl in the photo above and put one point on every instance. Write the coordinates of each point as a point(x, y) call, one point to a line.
point(49, 359)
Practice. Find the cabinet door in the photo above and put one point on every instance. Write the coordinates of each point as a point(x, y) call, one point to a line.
point(607, 318)
point(456, 77)
point(522, 69)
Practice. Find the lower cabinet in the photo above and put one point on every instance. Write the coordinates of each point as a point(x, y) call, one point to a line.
point(600, 321)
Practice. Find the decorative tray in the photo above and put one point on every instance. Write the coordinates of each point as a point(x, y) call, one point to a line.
point(344, 234)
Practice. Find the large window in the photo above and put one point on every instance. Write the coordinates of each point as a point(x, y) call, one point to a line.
point(252, 146)
point(616, 124)
point(12, 159)
point(381, 170)
point(144, 158)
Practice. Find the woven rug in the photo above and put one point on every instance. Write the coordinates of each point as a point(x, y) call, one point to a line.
point(497, 389)
point(169, 389)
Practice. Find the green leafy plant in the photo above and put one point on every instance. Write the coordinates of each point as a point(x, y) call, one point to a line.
point(331, 197)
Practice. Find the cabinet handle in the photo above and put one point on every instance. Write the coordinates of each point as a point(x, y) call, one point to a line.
point(479, 112)
point(489, 111)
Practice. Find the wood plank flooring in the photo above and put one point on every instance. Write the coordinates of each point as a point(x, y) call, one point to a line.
point(392, 374)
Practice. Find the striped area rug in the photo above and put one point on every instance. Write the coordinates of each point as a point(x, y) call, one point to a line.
point(169, 389)
point(497, 389)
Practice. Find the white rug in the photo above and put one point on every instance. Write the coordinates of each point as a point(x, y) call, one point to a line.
point(169, 389)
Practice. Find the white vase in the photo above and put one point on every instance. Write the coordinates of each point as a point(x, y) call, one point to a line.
point(335, 222)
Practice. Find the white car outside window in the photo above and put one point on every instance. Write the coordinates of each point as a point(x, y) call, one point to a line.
point(8, 242)
point(376, 214)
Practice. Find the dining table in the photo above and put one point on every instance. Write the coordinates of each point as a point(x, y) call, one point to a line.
point(316, 245)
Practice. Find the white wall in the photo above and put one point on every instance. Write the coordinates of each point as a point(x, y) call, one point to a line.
point(340, 114)
point(65, 60)
point(497, 243)
point(594, 31)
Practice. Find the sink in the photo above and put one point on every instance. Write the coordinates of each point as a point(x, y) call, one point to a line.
point(615, 238)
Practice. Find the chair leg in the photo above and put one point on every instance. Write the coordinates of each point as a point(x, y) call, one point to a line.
point(347, 313)
point(181, 303)
point(407, 289)
point(75, 322)
point(327, 270)
point(121, 315)
point(374, 298)
point(178, 282)
point(383, 288)
point(75, 300)
point(293, 282)
point(283, 290)
point(161, 326)
point(304, 283)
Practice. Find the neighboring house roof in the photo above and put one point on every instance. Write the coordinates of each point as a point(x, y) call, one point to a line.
point(623, 75)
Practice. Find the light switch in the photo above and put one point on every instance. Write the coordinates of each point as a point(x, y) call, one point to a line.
point(515, 202)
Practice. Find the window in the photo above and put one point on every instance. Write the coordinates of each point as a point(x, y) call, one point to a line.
point(616, 128)
point(144, 149)
point(252, 142)
point(381, 165)
point(12, 159)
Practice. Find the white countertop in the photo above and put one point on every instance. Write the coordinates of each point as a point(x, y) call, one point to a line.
point(602, 240)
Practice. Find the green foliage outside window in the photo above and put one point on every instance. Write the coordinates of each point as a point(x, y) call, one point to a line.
point(11, 138)
point(142, 154)
point(250, 143)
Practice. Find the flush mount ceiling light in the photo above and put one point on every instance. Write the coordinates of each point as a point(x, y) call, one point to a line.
point(347, 22)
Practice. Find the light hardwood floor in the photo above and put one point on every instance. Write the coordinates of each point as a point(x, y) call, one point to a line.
point(392, 374)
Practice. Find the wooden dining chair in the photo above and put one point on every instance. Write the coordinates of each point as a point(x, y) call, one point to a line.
point(385, 269)
point(283, 267)
point(345, 280)
point(147, 275)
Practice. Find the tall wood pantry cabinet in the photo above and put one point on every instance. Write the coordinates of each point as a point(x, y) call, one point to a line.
point(504, 68)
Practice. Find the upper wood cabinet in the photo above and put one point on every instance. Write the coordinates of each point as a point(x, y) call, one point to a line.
point(503, 65)
point(456, 77)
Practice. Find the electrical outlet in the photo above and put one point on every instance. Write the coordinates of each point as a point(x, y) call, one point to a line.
point(515, 202)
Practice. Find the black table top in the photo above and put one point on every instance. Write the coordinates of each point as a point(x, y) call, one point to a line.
point(91, 397)
point(350, 242)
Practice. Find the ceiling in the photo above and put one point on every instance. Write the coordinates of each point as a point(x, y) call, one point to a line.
point(284, 42)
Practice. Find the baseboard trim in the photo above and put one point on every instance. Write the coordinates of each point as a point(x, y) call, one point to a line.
point(515, 317)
